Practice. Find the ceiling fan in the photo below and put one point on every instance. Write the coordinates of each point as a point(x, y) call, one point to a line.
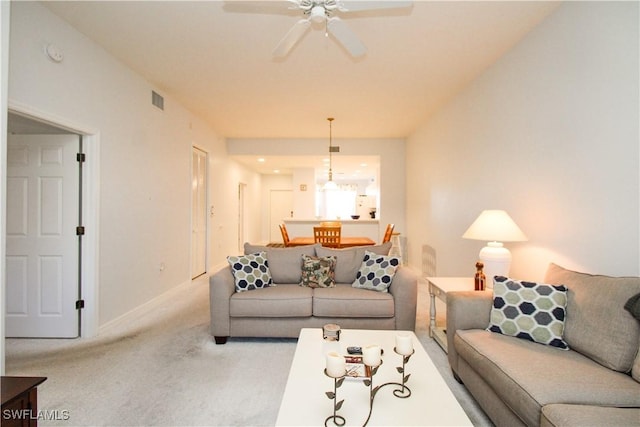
point(318, 12)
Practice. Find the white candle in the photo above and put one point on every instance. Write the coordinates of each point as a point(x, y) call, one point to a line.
point(336, 365)
point(404, 344)
point(371, 355)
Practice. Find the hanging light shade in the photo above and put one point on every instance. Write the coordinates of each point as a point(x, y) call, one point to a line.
point(330, 185)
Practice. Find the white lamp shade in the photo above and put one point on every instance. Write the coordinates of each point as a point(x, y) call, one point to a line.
point(494, 226)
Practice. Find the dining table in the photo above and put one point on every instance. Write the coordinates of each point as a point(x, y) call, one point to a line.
point(345, 241)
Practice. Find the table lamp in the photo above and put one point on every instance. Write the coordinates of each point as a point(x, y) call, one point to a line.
point(495, 227)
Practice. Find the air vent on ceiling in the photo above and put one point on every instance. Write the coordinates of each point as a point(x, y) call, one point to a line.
point(157, 100)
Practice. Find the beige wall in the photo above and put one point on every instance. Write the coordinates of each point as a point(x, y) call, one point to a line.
point(548, 133)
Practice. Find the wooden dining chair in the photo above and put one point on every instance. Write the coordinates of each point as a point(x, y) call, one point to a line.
point(330, 224)
point(327, 236)
point(387, 233)
point(285, 235)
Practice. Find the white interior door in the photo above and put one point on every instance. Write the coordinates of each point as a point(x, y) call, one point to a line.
point(198, 212)
point(42, 245)
point(280, 207)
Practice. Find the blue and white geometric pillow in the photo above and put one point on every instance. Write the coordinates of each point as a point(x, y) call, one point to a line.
point(529, 310)
point(250, 271)
point(376, 272)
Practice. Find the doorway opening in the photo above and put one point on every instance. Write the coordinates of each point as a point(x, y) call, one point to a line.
point(44, 231)
point(198, 212)
point(242, 215)
point(280, 207)
point(70, 289)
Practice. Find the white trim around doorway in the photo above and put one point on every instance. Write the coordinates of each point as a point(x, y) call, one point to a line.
point(89, 316)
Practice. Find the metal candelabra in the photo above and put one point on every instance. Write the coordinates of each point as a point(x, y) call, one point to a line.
point(337, 419)
point(402, 392)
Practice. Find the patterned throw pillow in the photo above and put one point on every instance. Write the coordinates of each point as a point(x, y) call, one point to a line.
point(376, 272)
point(250, 271)
point(528, 310)
point(318, 272)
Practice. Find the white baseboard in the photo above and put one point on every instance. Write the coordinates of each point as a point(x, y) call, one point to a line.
point(132, 316)
point(146, 308)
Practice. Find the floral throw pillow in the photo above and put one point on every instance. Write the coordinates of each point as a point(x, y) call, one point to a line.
point(250, 271)
point(376, 272)
point(529, 310)
point(318, 272)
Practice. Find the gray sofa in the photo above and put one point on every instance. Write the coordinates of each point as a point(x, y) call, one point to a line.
point(282, 310)
point(518, 382)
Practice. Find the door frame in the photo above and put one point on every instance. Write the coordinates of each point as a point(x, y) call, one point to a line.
point(205, 213)
point(242, 215)
point(90, 204)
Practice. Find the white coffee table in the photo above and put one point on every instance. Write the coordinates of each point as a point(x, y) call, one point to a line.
point(305, 403)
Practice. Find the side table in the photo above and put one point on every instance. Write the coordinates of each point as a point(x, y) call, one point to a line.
point(20, 400)
point(438, 287)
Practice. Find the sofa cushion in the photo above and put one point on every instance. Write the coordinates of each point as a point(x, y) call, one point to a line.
point(250, 271)
point(346, 301)
point(348, 260)
point(318, 272)
point(527, 376)
point(633, 306)
point(376, 272)
point(285, 263)
point(562, 415)
point(529, 310)
point(597, 325)
point(635, 369)
point(277, 301)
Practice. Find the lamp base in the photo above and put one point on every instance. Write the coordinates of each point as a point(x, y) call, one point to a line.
point(497, 261)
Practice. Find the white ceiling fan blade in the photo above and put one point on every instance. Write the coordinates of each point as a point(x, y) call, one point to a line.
point(261, 7)
point(357, 5)
point(346, 37)
point(287, 43)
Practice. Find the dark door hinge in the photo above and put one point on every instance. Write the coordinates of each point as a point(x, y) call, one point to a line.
point(79, 304)
point(81, 157)
point(80, 230)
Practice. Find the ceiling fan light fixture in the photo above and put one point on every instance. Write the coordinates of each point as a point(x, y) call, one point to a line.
point(318, 14)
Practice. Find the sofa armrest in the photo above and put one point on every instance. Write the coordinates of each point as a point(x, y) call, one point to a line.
point(466, 310)
point(221, 287)
point(404, 289)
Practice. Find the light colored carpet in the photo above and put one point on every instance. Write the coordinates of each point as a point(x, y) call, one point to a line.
point(165, 370)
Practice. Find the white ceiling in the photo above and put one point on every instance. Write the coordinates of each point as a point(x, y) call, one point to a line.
point(214, 57)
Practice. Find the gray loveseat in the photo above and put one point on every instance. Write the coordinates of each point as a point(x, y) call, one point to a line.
point(282, 310)
point(518, 382)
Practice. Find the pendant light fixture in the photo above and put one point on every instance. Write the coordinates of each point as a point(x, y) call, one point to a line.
point(330, 185)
